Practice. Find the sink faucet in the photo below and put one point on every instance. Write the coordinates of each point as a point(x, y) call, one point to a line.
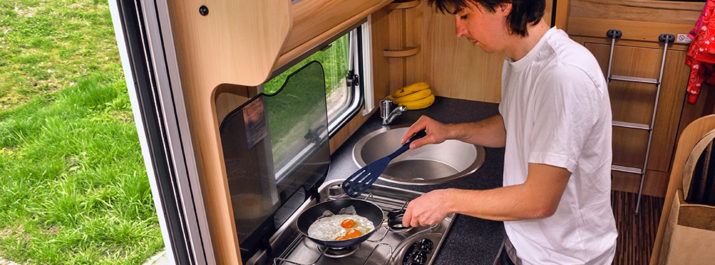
point(388, 115)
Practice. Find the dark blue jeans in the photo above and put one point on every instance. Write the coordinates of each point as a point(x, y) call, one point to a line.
point(505, 258)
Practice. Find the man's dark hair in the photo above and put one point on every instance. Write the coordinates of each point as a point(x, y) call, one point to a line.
point(522, 11)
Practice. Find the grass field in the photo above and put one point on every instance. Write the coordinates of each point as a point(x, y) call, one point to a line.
point(73, 188)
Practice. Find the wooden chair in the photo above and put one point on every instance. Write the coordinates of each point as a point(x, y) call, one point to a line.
point(690, 136)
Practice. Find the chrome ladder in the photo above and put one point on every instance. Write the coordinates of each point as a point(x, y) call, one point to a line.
point(666, 39)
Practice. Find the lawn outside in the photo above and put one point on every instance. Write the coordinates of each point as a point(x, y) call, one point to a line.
point(73, 186)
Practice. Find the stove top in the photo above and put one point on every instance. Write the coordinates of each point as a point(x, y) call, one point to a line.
point(386, 246)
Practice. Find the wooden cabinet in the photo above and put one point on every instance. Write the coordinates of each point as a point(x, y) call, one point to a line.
point(638, 53)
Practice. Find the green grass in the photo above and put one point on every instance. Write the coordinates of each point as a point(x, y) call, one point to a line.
point(334, 61)
point(47, 45)
point(73, 188)
point(72, 182)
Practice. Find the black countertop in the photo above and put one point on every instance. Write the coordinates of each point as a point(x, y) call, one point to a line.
point(470, 240)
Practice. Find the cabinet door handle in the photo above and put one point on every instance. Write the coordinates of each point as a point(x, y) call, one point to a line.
point(403, 5)
point(401, 53)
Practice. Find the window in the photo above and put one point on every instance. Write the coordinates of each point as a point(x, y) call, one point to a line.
point(340, 60)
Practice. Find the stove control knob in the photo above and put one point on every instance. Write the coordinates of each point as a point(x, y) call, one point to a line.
point(420, 258)
point(418, 252)
point(426, 245)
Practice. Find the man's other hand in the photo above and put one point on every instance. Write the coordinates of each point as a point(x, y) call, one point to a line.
point(437, 132)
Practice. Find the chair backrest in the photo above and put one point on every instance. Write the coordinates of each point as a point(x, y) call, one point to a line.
point(690, 136)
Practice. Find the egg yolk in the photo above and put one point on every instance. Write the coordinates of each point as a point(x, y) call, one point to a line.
point(353, 233)
point(348, 223)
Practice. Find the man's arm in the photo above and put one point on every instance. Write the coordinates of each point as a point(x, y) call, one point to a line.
point(489, 132)
point(538, 197)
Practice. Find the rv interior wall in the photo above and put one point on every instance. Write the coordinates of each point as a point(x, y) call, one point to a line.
point(229, 97)
point(239, 42)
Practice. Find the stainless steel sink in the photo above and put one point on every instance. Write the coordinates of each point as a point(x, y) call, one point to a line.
point(427, 165)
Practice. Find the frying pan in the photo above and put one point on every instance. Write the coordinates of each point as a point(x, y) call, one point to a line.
point(363, 208)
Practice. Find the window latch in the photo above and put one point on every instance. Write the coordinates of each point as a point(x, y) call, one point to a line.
point(352, 79)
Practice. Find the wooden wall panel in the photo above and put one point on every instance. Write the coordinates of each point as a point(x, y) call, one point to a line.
point(678, 12)
point(562, 12)
point(638, 19)
point(656, 182)
point(230, 97)
point(453, 66)
point(212, 50)
point(317, 20)
point(703, 106)
point(414, 69)
point(547, 12)
point(396, 42)
point(380, 63)
point(352, 126)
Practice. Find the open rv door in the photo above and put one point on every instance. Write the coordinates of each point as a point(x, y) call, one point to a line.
point(143, 33)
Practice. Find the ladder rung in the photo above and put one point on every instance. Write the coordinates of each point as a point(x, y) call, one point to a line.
point(634, 79)
point(639, 126)
point(633, 170)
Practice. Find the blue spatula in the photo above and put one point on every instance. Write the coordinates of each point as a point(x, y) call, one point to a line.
point(362, 179)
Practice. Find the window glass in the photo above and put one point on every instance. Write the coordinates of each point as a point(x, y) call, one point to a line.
point(339, 97)
point(334, 59)
point(296, 117)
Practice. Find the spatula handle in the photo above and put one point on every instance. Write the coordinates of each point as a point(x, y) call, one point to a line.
point(406, 146)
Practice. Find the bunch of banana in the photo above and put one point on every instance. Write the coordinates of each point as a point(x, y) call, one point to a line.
point(414, 96)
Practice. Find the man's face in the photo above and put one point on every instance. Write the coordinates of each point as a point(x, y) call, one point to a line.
point(482, 27)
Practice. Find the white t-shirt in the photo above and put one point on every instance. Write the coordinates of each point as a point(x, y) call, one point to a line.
point(557, 112)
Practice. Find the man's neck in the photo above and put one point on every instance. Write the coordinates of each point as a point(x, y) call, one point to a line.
point(522, 45)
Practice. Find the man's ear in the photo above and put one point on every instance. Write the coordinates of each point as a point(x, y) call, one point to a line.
point(503, 8)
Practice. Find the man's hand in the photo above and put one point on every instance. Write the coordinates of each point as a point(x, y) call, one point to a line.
point(538, 197)
point(428, 209)
point(437, 132)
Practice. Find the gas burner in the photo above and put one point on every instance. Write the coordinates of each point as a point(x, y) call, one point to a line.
point(337, 253)
point(391, 245)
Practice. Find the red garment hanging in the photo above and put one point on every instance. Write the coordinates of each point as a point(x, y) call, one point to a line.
point(701, 53)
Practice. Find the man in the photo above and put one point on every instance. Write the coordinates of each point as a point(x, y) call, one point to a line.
point(555, 125)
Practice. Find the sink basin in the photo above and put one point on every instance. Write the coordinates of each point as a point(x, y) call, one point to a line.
point(427, 165)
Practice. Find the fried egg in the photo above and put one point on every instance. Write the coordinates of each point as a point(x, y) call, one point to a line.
point(340, 227)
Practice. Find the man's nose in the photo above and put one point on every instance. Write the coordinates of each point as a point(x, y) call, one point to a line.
point(460, 28)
